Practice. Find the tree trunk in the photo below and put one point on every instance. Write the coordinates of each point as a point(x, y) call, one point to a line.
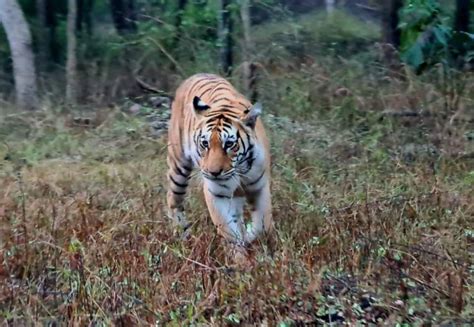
point(179, 18)
point(461, 20)
point(54, 49)
point(71, 64)
point(249, 69)
point(461, 25)
point(84, 16)
point(19, 39)
point(390, 20)
point(330, 4)
point(124, 16)
point(80, 15)
point(225, 37)
point(89, 6)
point(43, 49)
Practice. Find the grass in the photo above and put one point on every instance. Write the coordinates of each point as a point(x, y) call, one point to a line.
point(363, 234)
point(373, 214)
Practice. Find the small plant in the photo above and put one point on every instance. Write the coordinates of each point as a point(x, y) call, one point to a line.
point(428, 40)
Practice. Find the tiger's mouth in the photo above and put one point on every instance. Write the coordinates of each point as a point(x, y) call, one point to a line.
point(222, 177)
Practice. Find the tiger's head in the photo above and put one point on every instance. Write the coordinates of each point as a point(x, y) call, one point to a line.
point(224, 139)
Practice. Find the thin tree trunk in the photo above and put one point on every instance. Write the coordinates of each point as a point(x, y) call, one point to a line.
point(131, 15)
point(43, 49)
point(71, 64)
point(330, 4)
point(89, 6)
point(124, 16)
point(80, 15)
point(461, 19)
point(52, 22)
point(225, 37)
point(19, 39)
point(179, 18)
point(84, 16)
point(249, 69)
point(390, 22)
point(461, 25)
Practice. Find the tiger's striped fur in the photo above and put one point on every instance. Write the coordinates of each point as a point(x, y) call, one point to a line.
point(216, 129)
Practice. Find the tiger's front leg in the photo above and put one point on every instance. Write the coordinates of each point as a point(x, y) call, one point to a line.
point(178, 176)
point(261, 211)
point(227, 215)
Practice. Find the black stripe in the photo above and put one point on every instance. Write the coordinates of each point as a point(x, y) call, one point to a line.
point(247, 153)
point(249, 159)
point(220, 99)
point(178, 193)
point(203, 93)
point(258, 179)
point(254, 191)
point(195, 85)
point(221, 88)
point(243, 105)
point(204, 85)
point(223, 111)
point(227, 125)
point(187, 168)
point(224, 118)
point(178, 184)
point(219, 195)
point(227, 106)
point(223, 185)
point(180, 172)
point(216, 116)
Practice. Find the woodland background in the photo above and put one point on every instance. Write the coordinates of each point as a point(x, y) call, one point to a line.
point(369, 107)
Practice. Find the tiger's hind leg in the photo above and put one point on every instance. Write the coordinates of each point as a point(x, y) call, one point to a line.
point(178, 177)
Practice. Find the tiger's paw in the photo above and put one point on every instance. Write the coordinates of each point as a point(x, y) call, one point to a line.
point(185, 231)
point(252, 234)
point(182, 226)
point(178, 217)
point(241, 257)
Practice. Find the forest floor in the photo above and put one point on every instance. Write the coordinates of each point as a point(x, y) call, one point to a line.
point(369, 228)
point(372, 179)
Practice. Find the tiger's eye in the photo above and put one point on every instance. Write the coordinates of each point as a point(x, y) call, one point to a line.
point(204, 143)
point(229, 144)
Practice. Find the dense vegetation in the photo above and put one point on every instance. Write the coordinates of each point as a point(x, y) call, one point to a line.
point(373, 174)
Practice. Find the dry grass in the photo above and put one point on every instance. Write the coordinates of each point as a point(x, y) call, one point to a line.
point(374, 215)
point(361, 235)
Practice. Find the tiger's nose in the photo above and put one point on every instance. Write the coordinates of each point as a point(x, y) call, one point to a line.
point(215, 173)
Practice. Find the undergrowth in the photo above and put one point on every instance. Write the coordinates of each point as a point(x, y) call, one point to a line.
point(364, 232)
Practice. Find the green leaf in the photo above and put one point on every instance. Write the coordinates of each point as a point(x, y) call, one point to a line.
point(441, 36)
point(414, 56)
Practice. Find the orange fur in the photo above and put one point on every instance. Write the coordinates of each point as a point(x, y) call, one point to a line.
point(216, 129)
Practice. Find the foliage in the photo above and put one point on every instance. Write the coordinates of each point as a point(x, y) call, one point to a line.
point(429, 39)
point(316, 33)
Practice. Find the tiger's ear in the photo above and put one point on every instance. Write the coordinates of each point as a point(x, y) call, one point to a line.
point(250, 119)
point(199, 105)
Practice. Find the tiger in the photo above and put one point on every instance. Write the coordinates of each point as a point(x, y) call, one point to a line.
point(215, 129)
